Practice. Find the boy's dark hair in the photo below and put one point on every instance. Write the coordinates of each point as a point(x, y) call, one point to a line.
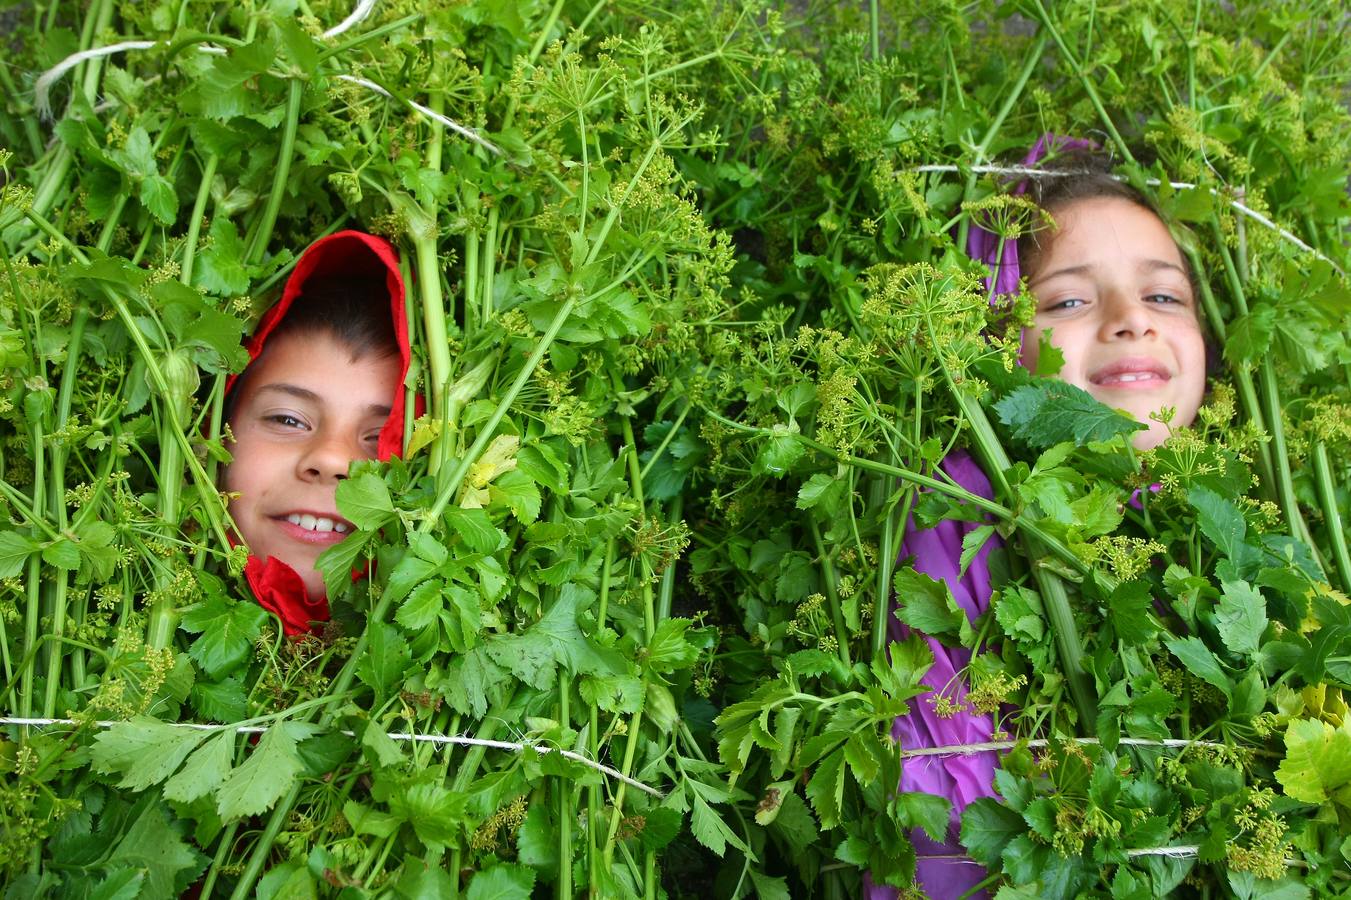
point(353, 309)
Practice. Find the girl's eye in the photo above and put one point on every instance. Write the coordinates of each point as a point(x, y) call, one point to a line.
point(1071, 303)
point(1163, 299)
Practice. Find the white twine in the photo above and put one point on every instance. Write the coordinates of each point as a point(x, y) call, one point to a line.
point(439, 739)
point(356, 17)
point(968, 749)
point(1031, 172)
point(43, 86)
point(454, 126)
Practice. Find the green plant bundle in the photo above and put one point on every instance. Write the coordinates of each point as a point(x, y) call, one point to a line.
point(694, 329)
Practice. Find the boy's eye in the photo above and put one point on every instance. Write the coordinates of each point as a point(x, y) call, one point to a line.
point(1163, 298)
point(286, 420)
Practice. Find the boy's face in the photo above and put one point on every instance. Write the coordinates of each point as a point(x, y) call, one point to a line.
point(1113, 291)
point(305, 412)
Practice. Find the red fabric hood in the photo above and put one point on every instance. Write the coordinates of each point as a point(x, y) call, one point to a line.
point(277, 586)
point(347, 253)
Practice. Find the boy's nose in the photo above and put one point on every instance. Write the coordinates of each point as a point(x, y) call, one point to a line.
point(326, 459)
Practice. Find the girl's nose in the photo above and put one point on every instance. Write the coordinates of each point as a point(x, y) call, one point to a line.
point(1124, 317)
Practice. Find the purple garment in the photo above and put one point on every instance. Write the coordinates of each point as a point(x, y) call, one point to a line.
point(943, 871)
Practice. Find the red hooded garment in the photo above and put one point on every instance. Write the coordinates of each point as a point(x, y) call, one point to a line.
point(278, 587)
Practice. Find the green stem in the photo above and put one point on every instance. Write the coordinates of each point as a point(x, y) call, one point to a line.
point(57, 502)
point(195, 222)
point(1327, 498)
point(565, 810)
point(1083, 79)
point(832, 594)
point(295, 93)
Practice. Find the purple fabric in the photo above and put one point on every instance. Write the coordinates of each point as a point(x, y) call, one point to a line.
point(942, 870)
point(985, 245)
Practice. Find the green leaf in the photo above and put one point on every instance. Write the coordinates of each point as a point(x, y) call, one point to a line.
point(226, 631)
point(926, 811)
point(368, 821)
point(220, 266)
point(518, 493)
point(337, 562)
point(422, 606)
point(145, 751)
point(822, 493)
point(386, 657)
point(205, 770)
point(769, 887)
point(779, 453)
point(157, 195)
point(63, 554)
point(384, 749)
point(708, 827)
point(1317, 762)
point(987, 827)
point(1241, 617)
point(668, 650)
point(266, 775)
point(1047, 412)
point(475, 528)
point(1198, 659)
point(435, 812)
point(15, 549)
point(1128, 612)
point(364, 500)
point(123, 884)
point(1221, 521)
point(1050, 359)
point(661, 824)
point(826, 789)
point(794, 823)
point(971, 544)
point(926, 604)
point(462, 618)
point(154, 846)
point(502, 882)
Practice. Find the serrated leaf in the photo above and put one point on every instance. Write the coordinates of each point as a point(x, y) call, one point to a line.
point(971, 546)
point(435, 812)
point(502, 882)
point(475, 528)
point(517, 492)
point(929, 812)
point(778, 454)
point(220, 266)
point(15, 549)
point(154, 845)
point(157, 195)
point(1048, 411)
point(1317, 761)
point(226, 630)
point(266, 775)
point(384, 748)
point(768, 887)
point(661, 824)
point(144, 751)
point(205, 769)
point(987, 828)
point(368, 821)
point(709, 829)
point(1241, 617)
point(1198, 659)
point(63, 554)
point(826, 789)
point(422, 606)
point(1128, 611)
point(926, 604)
point(387, 656)
point(668, 650)
point(364, 500)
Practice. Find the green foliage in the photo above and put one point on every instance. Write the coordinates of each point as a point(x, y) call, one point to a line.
point(688, 349)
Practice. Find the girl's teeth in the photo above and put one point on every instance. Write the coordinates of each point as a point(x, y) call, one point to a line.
point(316, 523)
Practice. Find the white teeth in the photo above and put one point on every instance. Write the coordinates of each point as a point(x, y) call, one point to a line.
point(317, 523)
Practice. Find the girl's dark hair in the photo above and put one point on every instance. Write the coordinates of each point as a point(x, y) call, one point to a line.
point(353, 309)
point(1073, 177)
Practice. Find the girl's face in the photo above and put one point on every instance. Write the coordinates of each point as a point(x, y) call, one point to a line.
point(306, 411)
point(1113, 293)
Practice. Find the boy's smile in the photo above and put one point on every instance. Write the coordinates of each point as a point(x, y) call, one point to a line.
point(1114, 294)
point(306, 410)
